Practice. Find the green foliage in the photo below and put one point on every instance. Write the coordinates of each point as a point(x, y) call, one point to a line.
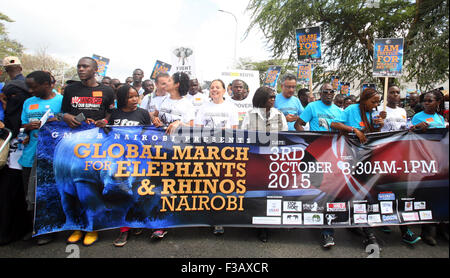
point(8, 47)
point(349, 28)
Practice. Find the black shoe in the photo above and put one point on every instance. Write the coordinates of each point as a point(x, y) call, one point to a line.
point(263, 235)
point(429, 239)
point(44, 239)
point(410, 238)
point(371, 239)
point(327, 241)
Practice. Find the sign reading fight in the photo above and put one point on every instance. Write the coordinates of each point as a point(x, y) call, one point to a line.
point(388, 57)
point(309, 44)
point(92, 179)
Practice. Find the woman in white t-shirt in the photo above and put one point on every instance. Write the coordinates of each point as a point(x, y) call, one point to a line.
point(217, 113)
point(176, 110)
point(396, 118)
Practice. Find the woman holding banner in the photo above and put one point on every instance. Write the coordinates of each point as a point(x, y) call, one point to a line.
point(217, 114)
point(429, 118)
point(264, 117)
point(175, 111)
point(128, 114)
point(357, 118)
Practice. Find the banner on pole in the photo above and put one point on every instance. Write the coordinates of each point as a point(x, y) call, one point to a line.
point(388, 57)
point(272, 76)
point(309, 44)
point(160, 67)
point(102, 178)
point(304, 72)
point(102, 64)
point(344, 88)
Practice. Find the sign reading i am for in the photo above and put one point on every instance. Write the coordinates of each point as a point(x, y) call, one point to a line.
point(388, 57)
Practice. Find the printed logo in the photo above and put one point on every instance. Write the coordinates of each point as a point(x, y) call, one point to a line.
point(390, 218)
point(419, 205)
point(360, 218)
point(374, 208)
point(313, 218)
point(359, 208)
point(425, 215)
point(408, 206)
point(273, 207)
point(386, 196)
point(292, 206)
point(330, 218)
point(386, 207)
point(430, 120)
point(374, 218)
point(86, 102)
point(312, 207)
point(336, 206)
point(292, 218)
point(33, 106)
point(97, 93)
point(410, 216)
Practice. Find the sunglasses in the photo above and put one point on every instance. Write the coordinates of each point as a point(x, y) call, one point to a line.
point(328, 91)
point(272, 97)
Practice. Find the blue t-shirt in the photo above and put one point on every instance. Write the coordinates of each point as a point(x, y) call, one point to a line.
point(288, 106)
point(434, 121)
point(33, 109)
point(352, 117)
point(319, 115)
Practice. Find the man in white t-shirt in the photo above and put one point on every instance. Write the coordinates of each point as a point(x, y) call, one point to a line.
point(195, 95)
point(395, 116)
point(153, 101)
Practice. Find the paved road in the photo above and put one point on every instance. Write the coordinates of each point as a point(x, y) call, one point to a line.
point(235, 243)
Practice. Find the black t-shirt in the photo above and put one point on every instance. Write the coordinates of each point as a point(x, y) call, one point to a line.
point(133, 118)
point(94, 102)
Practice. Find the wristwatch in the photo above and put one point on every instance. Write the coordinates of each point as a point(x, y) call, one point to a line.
point(59, 116)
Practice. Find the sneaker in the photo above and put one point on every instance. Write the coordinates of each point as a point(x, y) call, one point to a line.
point(410, 238)
point(75, 237)
point(44, 239)
point(371, 239)
point(218, 230)
point(90, 238)
point(386, 229)
point(159, 234)
point(327, 241)
point(121, 240)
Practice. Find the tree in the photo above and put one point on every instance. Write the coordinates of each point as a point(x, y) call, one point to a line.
point(8, 47)
point(263, 66)
point(349, 27)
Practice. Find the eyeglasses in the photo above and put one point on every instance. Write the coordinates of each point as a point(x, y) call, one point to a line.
point(272, 97)
point(328, 91)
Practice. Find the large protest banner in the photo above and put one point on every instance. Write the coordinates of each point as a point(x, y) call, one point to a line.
point(101, 178)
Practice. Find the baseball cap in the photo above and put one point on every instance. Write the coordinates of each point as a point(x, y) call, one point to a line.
point(11, 61)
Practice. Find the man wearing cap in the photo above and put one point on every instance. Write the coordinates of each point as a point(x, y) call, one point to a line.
point(15, 92)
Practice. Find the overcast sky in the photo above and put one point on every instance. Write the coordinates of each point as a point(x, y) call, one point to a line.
point(134, 34)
